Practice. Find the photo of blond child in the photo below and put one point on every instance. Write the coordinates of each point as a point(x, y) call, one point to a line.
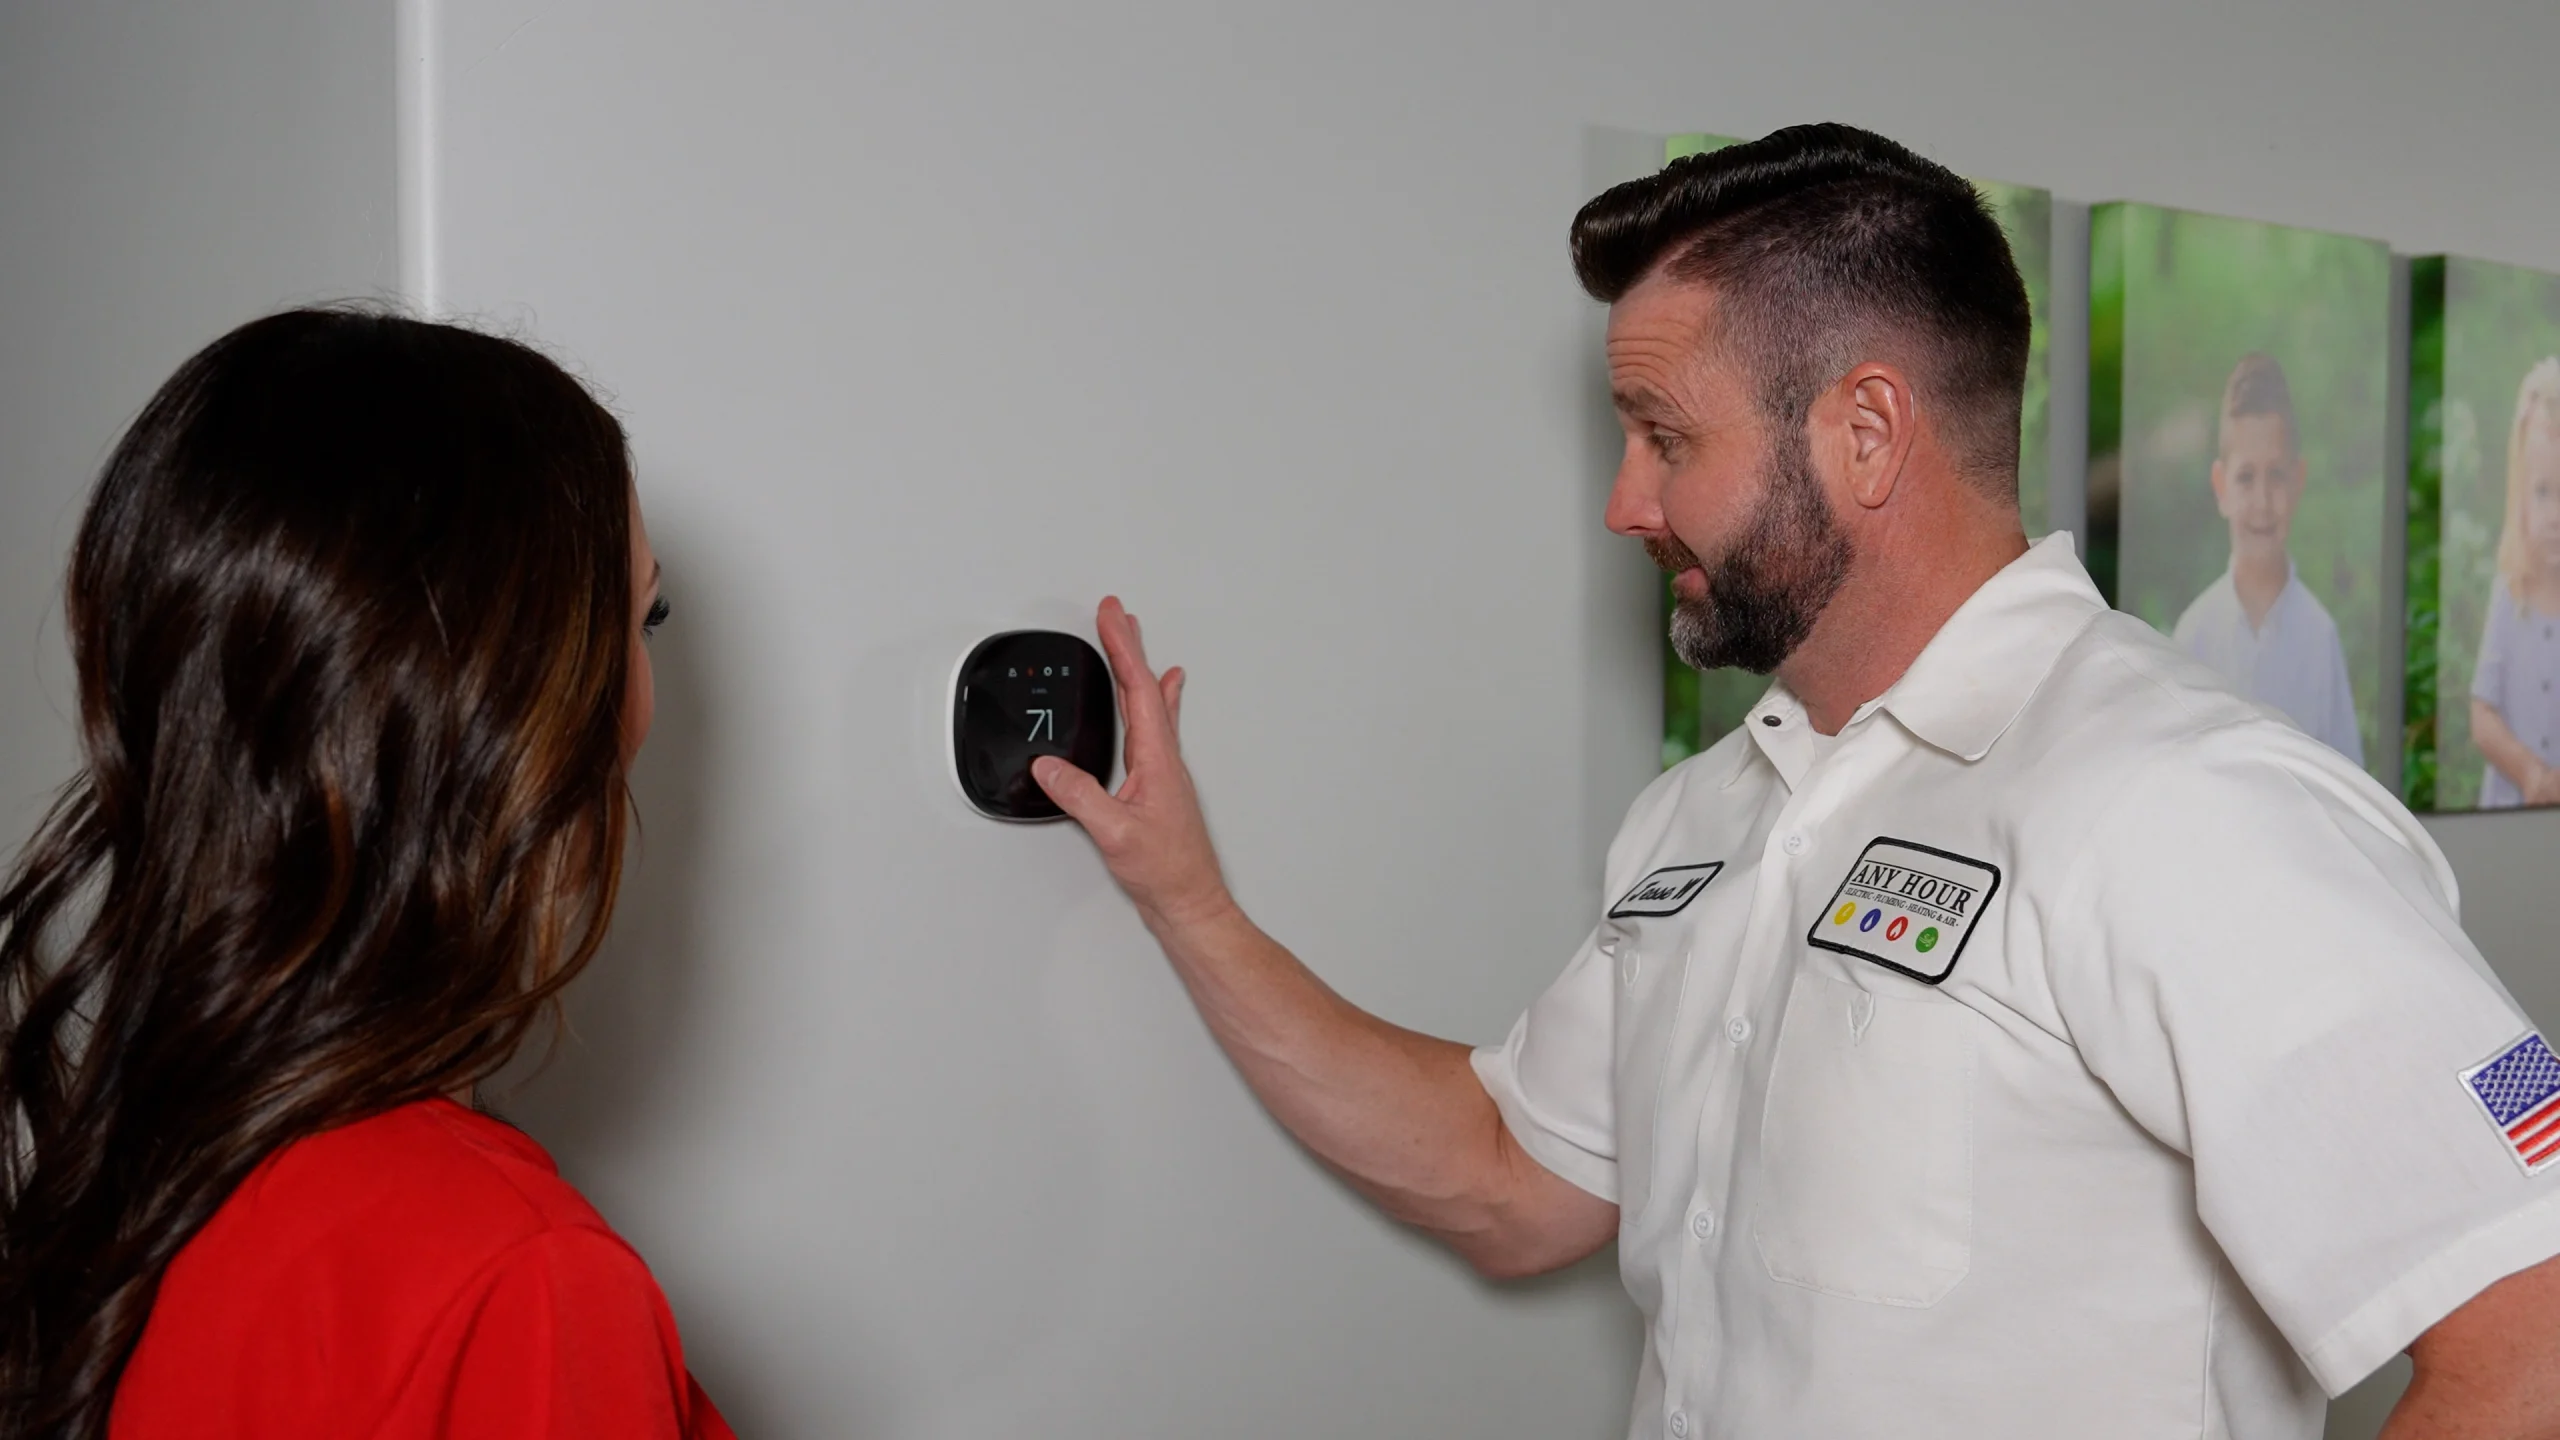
point(2515, 709)
point(2257, 625)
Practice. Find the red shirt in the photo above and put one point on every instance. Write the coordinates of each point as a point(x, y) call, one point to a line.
point(423, 1273)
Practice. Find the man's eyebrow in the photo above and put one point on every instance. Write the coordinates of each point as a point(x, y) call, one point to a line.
point(1639, 403)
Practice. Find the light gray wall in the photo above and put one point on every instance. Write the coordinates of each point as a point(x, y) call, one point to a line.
point(933, 319)
point(167, 170)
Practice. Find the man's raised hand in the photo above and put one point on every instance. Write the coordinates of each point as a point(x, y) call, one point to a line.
point(1151, 833)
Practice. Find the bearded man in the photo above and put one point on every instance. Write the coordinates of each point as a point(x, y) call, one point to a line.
point(2006, 1032)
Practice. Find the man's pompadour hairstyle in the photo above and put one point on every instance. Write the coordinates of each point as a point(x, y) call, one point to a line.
point(1826, 246)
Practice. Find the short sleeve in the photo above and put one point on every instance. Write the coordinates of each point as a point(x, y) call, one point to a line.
point(1551, 1079)
point(2262, 961)
point(569, 1336)
point(2497, 639)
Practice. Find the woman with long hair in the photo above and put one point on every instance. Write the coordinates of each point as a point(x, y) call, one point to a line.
point(357, 612)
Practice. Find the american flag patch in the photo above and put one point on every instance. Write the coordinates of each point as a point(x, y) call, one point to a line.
point(2519, 1088)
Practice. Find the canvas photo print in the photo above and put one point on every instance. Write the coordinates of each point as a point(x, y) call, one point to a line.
point(2239, 384)
point(2483, 683)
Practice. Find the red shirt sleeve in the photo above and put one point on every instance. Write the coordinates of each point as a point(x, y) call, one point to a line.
point(566, 1335)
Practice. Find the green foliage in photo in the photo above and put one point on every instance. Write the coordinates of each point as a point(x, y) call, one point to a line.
point(2176, 299)
point(2420, 723)
point(2106, 395)
point(2025, 214)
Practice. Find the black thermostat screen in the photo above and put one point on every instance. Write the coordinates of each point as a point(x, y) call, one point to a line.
point(1022, 695)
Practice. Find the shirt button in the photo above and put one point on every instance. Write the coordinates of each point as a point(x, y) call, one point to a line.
point(1794, 842)
point(1679, 1422)
point(1630, 965)
point(1738, 1029)
point(1703, 1224)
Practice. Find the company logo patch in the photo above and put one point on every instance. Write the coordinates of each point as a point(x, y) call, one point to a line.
point(1666, 891)
point(1907, 907)
point(2519, 1090)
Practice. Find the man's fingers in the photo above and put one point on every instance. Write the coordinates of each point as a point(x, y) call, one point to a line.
point(1119, 632)
point(1174, 680)
point(1077, 793)
point(1129, 671)
point(1150, 728)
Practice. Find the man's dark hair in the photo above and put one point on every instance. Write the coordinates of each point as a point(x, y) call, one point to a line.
point(1822, 242)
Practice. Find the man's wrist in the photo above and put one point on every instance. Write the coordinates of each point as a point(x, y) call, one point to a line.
point(1193, 914)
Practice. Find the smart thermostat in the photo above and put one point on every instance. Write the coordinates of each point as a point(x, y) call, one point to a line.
point(1021, 695)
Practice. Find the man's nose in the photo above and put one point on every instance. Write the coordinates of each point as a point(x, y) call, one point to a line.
point(1635, 503)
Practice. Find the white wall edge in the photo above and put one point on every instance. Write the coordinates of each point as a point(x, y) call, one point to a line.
point(414, 60)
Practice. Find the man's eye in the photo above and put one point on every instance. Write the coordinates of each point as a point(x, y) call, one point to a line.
point(1664, 443)
point(659, 610)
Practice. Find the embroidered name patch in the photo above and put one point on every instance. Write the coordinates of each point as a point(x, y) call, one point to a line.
point(2519, 1090)
point(1907, 907)
point(1666, 891)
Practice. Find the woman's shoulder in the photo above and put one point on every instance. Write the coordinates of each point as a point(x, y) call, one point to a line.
point(449, 1182)
point(354, 1244)
point(404, 1274)
point(405, 1208)
point(413, 1201)
point(434, 1149)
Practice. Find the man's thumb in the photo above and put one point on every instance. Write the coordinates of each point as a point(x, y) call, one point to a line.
point(1075, 792)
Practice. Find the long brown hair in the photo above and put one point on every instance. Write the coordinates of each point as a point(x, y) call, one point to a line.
point(351, 614)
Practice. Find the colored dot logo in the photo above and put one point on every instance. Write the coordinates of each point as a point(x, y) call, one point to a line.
point(1900, 924)
point(1926, 940)
point(1870, 919)
point(1841, 915)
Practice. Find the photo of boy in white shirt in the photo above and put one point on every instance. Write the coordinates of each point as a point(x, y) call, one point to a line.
point(2257, 625)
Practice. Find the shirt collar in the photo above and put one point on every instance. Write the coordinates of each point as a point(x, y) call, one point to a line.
point(1977, 673)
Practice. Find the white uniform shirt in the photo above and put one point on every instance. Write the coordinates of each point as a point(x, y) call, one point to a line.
point(2293, 662)
point(2077, 1050)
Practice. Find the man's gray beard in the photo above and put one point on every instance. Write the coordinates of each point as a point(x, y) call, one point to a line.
point(1769, 587)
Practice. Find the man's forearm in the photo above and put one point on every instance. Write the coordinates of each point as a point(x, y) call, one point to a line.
point(2491, 1369)
point(1400, 1115)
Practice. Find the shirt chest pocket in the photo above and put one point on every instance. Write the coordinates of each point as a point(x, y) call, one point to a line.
point(1866, 1144)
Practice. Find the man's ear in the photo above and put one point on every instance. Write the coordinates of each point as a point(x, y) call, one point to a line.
point(2221, 490)
point(1881, 420)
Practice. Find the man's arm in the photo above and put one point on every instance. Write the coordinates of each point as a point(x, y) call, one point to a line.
point(1399, 1115)
point(2490, 1370)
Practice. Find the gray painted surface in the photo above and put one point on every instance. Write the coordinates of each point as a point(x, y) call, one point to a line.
point(929, 320)
point(167, 170)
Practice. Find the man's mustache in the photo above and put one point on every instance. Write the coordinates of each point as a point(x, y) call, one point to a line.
point(1670, 554)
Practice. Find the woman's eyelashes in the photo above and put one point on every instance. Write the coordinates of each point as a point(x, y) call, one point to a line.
point(659, 610)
